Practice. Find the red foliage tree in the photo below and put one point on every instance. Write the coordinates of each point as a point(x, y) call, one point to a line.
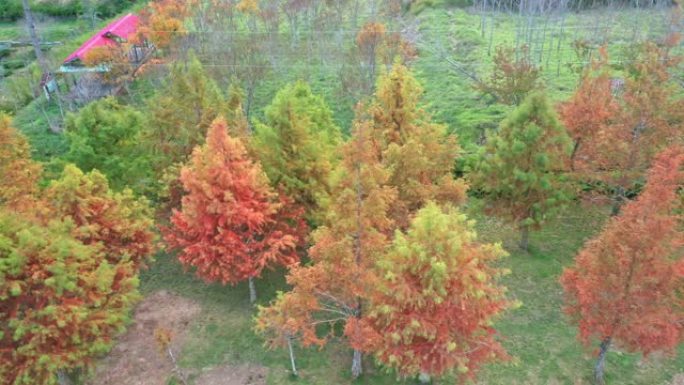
point(626, 285)
point(587, 114)
point(230, 227)
point(622, 125)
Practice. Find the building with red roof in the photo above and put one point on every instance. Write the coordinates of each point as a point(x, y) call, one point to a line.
point(117, 32)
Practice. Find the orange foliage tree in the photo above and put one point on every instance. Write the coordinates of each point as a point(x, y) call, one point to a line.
point(162, 21)
point(230, 226)
point(419, 154)
point(589, 112)
point(20, 174)
point(334, 288)
point(622, 125)
point(61, 301)
point(70, 258)
point(69, 275)
point(118, 223)
point(432, 314)
point(627, 284)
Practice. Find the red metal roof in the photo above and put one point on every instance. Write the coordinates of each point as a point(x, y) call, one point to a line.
point(122, 28)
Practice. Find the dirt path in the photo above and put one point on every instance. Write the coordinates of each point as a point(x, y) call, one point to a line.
point(135, 360)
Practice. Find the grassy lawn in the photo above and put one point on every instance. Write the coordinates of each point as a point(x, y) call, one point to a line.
point(542, 343)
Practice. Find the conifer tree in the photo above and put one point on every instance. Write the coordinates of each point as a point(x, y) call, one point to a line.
point(432, 312)
point(105, 135)
point(297, 146)
point(335, 287)
point(19, 174)
point(182, 112)
point(588, 114)
point(230, 226)
point(419, 154)
point(118, 222)
point(519, 169)
point(61, 301)
point(513, 77)
point(627, 284)
point(622, 126)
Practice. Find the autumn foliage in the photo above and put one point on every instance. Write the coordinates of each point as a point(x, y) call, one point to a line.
point(587, 116)
point(626, 285)
point(229, 227)
point(18, 184)
point(61, 301)
point(336, 285)
point(162, 21)
point(513, 77)
point(432, 313)
point(419, 154)
point(118, 223)
point(619, 124)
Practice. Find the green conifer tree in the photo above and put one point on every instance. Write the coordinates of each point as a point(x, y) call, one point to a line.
point(105, 135)
point(519, 168)
point(182, 112)
point(297, 146)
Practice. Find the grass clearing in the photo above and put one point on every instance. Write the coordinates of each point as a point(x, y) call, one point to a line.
point(537, 335)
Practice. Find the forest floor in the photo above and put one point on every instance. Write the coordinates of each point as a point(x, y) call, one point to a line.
point(539, 338)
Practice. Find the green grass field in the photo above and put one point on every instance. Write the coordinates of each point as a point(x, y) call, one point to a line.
point(537, 335)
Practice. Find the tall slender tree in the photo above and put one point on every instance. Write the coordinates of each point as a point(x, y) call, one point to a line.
point(419, 154)
point(297, 145)
point(626, 286)
point(229, 226)
point(335, 287)
point(520, 168)
point(588, 114)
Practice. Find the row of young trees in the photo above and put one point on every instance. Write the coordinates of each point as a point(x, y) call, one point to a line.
point(378, 261)
point(394, 178)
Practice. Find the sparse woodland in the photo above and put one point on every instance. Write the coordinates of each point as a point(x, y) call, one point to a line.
point(347, 191)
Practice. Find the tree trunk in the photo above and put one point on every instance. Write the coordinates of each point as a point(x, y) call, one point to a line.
point(292, 357)
point(574, 153)
point(252, 291)
point(31, 26)
point(357, 367)
point(63, 377)
point(618, 200)
point(525, 237)
point(600, 364)
point(42, 62)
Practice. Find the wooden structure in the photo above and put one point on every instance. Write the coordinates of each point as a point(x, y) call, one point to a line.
point(117, 32)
